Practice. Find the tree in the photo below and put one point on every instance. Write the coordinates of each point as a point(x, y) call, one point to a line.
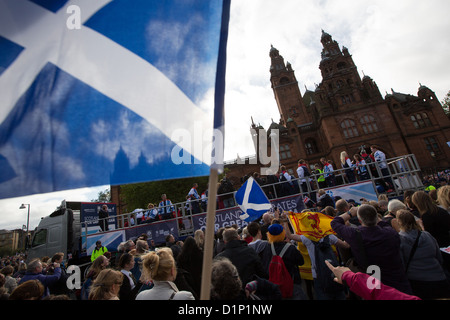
point(446, 103)
point(103, 196)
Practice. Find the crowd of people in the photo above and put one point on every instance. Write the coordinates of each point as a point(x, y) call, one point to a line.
point(405, 239)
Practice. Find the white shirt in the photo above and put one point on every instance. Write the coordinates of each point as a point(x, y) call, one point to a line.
point(381, 157)
point(163, 290)
point(310, 246)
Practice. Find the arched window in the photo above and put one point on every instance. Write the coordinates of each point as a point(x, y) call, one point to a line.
point(420, 120)
point(310, 146)
point(349, 128)
point(368, 124)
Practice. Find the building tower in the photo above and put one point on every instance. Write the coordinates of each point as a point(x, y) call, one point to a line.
point(286, 90)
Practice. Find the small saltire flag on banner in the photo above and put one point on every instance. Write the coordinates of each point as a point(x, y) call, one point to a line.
point(252, 200)
point(97, 92)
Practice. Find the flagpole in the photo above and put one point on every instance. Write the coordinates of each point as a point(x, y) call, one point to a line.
point(209, 235)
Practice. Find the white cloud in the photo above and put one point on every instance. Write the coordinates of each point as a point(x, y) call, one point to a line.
point(41, 205)
point(397, 43)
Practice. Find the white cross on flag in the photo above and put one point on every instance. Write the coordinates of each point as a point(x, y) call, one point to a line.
point(92, 91)
point(252, 200)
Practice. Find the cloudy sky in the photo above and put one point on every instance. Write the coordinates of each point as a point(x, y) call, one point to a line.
point(397, 43)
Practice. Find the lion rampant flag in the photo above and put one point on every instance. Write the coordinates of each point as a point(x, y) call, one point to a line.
point(314, 226)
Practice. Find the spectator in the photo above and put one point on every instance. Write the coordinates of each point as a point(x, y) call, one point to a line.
point(28, 290)
point(4, 295)
point(244, 258)
point(130, 286)
point(422, 259)
point(329, 211)
point(199, 237)
point(443, 197)
point(321, 294)
point(342, 207)
point(379, 243)
point(220, 245)
point(171, 243)
point(407, 200)
point(324, 200)
point(60, 286)
point(107, 285)
point(357, 283)
point(225, 281)
point(21, 270)
point(10, 282)
point(246, 235)
point(257, 244)
point(292, 258)
point(161, 269)
point(190, 260)
point(391, 218)
point(34, 272)
point(435, 220)
point(97, 266)
point(267, 221)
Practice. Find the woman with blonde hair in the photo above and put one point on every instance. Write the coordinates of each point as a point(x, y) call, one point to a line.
point(443, 197)
point(107, 285)
point(159, 267)
point(422, 259)
point(199, 238)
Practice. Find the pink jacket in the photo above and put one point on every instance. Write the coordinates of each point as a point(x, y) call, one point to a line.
point(357, 282)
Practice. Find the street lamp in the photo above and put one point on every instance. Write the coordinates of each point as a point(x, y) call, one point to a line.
point(28, 221)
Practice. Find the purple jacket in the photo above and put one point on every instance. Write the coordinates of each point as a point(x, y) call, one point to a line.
point(46, 280)
point(382, 246)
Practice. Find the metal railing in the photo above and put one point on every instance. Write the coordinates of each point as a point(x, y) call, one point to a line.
point(403, 173)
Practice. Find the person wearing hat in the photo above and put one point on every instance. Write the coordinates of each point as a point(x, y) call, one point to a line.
point(98, 250)
point(292, 258)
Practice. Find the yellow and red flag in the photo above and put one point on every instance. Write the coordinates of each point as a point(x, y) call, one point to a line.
point(314, 226)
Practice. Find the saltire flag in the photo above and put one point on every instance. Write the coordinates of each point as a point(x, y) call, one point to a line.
point(314, 226)
point(252, 200)
point(97, 92)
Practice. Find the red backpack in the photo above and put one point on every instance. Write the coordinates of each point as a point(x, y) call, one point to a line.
point(278, 273)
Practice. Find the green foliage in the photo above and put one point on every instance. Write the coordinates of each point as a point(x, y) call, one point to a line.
point(446, 104)
point(138, 195)
point(103, 196)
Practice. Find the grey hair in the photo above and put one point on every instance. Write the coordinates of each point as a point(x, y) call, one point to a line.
point(395, 205)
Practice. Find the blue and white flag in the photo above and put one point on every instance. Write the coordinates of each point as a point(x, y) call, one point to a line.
point(97, 92)
point(252, 200)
